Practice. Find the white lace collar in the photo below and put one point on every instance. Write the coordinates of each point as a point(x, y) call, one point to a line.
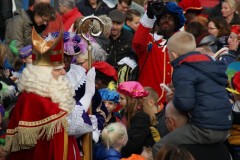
point(76, 75)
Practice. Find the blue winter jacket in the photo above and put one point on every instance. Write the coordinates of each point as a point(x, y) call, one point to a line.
point(200, 90)
point(100, 152)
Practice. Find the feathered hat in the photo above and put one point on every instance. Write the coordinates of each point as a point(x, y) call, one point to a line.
point(47, 53)
point(73, 44)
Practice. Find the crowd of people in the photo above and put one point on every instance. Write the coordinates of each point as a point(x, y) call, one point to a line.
point(164, 85)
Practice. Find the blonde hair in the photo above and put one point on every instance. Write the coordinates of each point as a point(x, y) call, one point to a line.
point(5, 52)
point(132, 109)
point(152, 94)
point(181, 43)
point(114, 134)
point(232, 4)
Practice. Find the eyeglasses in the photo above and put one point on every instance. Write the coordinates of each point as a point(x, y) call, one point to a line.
point(124, 6)
point(44, 19)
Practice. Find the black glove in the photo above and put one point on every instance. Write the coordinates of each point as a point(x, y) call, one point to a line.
point(149, 10)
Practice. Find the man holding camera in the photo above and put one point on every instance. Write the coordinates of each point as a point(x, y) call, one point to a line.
point(153, 61)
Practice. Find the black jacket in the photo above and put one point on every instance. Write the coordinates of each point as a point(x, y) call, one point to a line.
point(139, 135)
point(120, 48)
point(5, 13)
point(86, 9)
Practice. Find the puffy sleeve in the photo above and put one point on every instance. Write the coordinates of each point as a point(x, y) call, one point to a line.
point(184, 84)
point(142, 36)
point(79, 121)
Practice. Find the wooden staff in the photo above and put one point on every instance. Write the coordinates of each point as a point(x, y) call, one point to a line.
point(87, 138)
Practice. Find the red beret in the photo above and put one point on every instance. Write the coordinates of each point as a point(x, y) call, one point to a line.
point(106, 69)
point(190, 5)
point(235, 29)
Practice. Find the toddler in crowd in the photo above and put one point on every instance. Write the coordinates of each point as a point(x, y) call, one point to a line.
point(111, 100)
point(114, 137)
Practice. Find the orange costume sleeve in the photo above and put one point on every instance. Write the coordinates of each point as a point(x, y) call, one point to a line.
point(134, 157)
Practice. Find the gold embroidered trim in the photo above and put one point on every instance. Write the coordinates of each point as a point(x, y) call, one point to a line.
point(164, 74)
point(24, 137)
point(43, 121)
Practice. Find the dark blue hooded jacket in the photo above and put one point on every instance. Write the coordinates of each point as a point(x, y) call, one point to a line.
point(200, 83)
point(100, 152)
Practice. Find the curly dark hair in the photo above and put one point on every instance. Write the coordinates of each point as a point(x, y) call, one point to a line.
point(196, 28)
point(222, 25)
point(44, 9)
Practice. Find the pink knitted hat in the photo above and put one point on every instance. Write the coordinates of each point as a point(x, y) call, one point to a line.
point(132, 89)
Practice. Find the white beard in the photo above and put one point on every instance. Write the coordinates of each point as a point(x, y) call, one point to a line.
point(39, 80)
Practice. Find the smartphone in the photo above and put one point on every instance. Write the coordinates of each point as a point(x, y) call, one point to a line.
point(165, 87)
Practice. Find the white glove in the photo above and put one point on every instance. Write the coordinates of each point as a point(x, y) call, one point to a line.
point(96, 133)
point(89, 89)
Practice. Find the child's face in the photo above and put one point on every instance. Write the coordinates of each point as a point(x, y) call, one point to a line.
point(28, 59)
point(172, 56)
point(123, 100)
point(110, 105)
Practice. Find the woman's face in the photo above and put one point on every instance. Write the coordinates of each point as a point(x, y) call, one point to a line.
point(82, 62)
point(226, 10)
point(123, 100)
point(212, 29)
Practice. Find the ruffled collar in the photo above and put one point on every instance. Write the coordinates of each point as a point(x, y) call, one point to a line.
point(76, 75)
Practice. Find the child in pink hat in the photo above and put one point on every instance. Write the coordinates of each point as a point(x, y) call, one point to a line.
point(137, 116)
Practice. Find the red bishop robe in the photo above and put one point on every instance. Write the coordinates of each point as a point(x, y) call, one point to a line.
point(37, 130)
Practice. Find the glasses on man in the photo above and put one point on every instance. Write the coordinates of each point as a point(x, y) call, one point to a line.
point(124, 6)
point(45, 20)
